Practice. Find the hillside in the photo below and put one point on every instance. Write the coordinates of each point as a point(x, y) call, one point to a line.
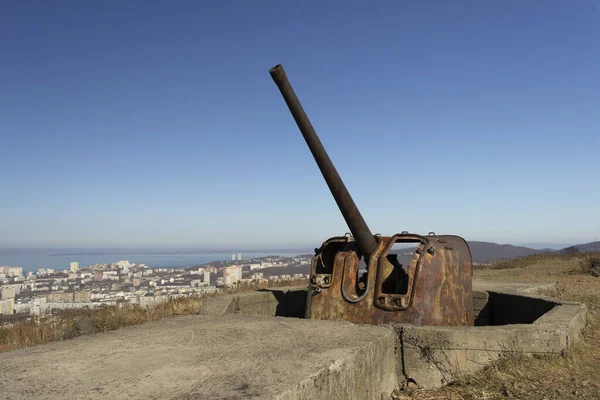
point(483, 252)
point(584, 248)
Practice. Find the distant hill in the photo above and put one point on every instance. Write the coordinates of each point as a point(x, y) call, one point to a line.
point(483, 252)
point(582, 248)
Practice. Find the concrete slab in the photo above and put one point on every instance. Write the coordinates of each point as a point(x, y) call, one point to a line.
point(209, 357)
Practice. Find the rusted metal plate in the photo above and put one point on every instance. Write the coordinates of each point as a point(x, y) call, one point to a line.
point(434, 289)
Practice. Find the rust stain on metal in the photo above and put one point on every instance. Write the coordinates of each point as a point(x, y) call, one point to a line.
point(434, 289)
point(437, 288)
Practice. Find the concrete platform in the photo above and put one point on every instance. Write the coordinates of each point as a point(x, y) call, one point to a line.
point(257, 346)
point(209, 357)
point(509, 317)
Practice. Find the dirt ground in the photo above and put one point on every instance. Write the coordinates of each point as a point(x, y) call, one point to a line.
point(576, 375)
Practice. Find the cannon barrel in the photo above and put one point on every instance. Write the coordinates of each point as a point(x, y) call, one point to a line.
point(361, 232)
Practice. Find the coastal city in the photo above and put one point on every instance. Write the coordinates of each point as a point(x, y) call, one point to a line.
point(45, 290)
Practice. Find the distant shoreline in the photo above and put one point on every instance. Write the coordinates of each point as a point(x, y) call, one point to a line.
point(171, 252)
point(32, 259)
point(70, 252)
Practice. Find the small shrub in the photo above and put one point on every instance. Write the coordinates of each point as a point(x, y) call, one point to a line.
point(590, 264)
point(82, 325)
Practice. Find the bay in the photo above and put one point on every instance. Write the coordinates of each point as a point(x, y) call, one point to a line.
point(59, 259)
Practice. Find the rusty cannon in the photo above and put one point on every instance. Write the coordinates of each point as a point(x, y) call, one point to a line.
point(435, 288)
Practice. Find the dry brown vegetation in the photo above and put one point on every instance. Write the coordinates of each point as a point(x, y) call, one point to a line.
point(576, 375)
point(67, 324)
point(527, 261)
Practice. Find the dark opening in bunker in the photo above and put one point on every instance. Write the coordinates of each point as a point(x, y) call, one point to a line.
point(492, 308)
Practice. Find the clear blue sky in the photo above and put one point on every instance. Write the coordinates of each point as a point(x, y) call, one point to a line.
point(151, 123)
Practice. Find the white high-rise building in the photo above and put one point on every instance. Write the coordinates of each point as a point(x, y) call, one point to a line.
point(233, 257)
point(239, 256)
point(74, 266)
point(232, 274)
point(206, 280)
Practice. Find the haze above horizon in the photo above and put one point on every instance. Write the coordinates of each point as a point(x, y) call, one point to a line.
point(144, 124)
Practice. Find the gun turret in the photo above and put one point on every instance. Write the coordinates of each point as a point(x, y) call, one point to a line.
point(435, 287)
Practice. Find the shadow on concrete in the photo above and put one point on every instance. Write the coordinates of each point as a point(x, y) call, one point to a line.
point(290, 303)
point(495, 308)
point(516, 309)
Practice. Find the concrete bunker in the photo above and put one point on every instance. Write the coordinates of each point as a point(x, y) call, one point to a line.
point(509, 318)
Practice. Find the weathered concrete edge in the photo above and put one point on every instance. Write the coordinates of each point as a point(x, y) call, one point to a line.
point(571, 319)
point(366, 374)
point(435, 356)
point(567, 319)
point(569, 316)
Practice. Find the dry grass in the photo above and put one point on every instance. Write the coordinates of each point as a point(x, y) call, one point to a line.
point(524, 262)
point(67, 324)
point(572, 376)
